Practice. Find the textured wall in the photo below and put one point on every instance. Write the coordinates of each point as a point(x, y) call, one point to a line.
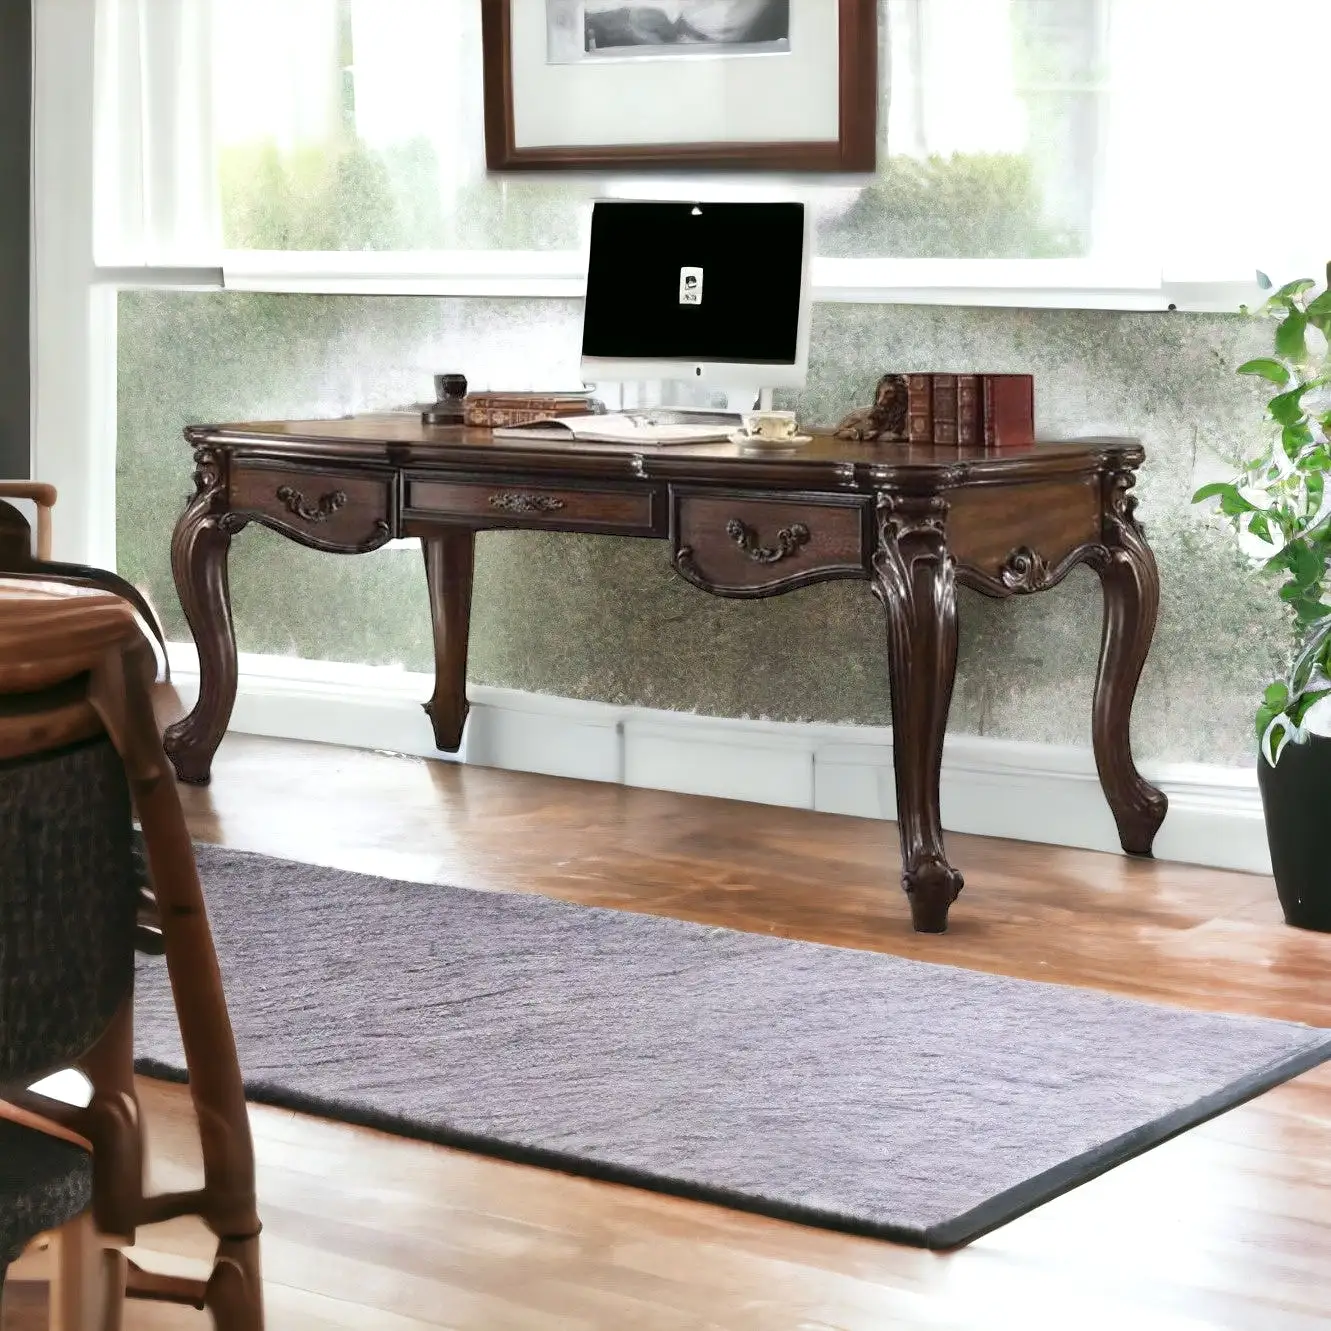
point(602, 618)
point(15, 138)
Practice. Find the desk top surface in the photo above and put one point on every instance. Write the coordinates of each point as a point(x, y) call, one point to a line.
point(402, 439)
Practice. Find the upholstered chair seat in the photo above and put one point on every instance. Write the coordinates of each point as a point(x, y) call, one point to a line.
point(45, 1182)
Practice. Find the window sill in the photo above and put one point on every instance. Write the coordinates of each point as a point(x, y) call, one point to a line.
point(1012, 283)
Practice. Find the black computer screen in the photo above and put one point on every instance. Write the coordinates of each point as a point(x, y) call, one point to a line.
point(695, 282)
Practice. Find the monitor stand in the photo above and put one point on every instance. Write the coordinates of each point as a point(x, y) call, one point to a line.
point(735, 401)
point(743, 399)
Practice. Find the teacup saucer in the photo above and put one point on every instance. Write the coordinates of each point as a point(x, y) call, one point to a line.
point(756, 443)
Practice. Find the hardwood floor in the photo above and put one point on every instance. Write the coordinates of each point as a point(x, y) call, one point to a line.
point(1228, 1226)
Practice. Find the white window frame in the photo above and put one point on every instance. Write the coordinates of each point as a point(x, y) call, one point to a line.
point(74, 300)
point(1026, 283)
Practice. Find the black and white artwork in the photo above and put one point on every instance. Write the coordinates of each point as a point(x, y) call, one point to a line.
point(585, 30)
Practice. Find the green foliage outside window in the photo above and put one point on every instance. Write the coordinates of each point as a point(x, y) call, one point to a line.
point(971, 206)
point(349, 197)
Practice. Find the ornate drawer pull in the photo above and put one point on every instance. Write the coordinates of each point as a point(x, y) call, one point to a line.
point(296, 503)
point(522, 503)
point(788, 541)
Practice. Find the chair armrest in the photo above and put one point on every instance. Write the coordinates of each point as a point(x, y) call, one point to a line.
point(44, 497)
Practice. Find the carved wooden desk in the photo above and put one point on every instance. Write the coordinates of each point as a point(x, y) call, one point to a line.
point(911, 522)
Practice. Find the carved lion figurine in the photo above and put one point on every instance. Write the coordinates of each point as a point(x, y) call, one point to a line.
point(885, 421)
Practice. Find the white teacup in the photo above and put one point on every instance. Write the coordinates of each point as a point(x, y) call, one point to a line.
point(773, 425)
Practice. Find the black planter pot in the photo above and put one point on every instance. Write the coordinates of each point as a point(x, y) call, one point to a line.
point(1296, 798)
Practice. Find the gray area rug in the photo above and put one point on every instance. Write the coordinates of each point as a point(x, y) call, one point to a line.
point(848, 1089)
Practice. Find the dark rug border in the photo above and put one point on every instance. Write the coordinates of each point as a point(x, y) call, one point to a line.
point(957, 1233)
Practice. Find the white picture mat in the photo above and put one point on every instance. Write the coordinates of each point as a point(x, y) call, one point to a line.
point(770, 98)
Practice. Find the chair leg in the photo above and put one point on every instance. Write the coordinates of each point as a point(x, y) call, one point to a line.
point(120, 691)
point(113, 1123)
point(88, 1291)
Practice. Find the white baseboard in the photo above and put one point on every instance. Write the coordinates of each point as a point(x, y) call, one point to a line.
point(993, 787)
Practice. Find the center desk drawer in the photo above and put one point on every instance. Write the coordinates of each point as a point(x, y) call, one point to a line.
point(500, 503)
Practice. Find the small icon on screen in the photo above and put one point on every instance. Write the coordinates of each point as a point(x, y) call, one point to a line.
point(690, 286)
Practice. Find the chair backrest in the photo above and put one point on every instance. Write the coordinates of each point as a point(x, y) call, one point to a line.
point(67, 885)
point(15, 537)
point(17, 544)
point(28, 553)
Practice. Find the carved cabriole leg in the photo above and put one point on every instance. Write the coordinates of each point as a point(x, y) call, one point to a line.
point(450, 557)
point(914, 577)
point(199, 550)
point(1131, 585)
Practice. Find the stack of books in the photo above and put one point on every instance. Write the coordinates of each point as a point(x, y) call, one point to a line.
point(971, 410)
point(505, 409)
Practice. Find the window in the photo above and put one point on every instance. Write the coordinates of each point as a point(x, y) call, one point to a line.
point(1117, 141)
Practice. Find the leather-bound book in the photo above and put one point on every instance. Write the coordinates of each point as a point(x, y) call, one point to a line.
point(500, 409)
point(920, 408)
point(945, 408)
point(970, 411)
point(1009, 410)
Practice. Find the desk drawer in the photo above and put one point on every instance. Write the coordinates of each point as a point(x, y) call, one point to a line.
point(332, 510)
point(499, 503)
point(737, 545)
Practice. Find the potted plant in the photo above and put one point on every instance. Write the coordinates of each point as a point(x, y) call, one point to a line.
point(1280, 508)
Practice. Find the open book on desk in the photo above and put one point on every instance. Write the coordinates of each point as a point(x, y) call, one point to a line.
point(642, 429)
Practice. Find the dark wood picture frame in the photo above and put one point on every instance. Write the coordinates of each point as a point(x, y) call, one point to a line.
point(855, 149)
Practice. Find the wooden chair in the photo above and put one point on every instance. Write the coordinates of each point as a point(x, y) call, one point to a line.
point(23, 551)
point(79, 747)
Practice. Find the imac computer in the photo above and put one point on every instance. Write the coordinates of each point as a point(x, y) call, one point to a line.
point(712, 294)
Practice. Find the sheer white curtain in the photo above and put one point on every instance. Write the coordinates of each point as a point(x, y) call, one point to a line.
point(155, 168)
point(179, 82)
point(1213, 155)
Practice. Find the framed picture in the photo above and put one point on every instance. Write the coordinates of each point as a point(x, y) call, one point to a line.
point(767, 85)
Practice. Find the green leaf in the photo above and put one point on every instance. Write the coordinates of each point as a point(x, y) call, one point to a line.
point(1314, 648)
point(1316, 484)
point(1320, 305)
point(1233, 503)
point(1294, 288)
point(1215, 488)
point(1276, 695)
point(1265, 715)
point(1273, 747)
point(1299, 710)
point(1260, 527)
point(1291, 336)
point(1287, 408)
point(1295, 438)
point(1267, 368)
point(1308, 610)
point(1306, 564)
